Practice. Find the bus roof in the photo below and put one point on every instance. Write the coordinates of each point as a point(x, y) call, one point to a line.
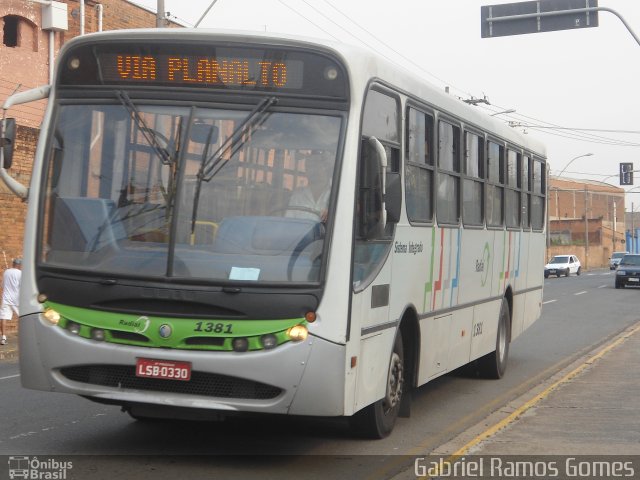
point(363, 65)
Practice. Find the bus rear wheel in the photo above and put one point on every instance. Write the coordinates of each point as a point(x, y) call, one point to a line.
point(378, 419)
point(494, 364)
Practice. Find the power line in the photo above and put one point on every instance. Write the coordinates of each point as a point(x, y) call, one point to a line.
point(581, 129)
point(308, 20)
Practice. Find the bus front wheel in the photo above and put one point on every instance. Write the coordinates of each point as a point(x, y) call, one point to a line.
point(378, 419)
point(494, 364)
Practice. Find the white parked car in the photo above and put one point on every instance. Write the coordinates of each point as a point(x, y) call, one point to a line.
point(562, 265)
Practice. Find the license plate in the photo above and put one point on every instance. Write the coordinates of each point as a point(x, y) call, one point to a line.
point(552, 271)
point(163, 369)
point(634, 279)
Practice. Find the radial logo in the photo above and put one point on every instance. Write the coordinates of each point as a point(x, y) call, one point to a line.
point(165, 330)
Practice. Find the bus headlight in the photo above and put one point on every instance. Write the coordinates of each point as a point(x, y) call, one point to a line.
point(298, 333)
point(51, 316)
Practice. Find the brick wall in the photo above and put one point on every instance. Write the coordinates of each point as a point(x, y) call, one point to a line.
point(26, 65)
point(12, 209)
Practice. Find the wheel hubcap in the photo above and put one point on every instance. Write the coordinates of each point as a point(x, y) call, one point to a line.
point(502, 342)
point(395, 383)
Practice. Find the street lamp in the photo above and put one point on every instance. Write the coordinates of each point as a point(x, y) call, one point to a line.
point(572, 160)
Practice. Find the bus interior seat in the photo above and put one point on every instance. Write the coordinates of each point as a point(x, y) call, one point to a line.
point(82, 224)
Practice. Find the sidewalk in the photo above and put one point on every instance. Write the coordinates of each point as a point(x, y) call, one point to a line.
point(10, 350)
point(590, 408)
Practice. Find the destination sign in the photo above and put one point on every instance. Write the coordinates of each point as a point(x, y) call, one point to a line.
point(203, 65)
point(210, 71)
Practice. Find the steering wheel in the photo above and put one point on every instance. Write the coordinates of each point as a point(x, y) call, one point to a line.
point(298, 208)
point(311, 245)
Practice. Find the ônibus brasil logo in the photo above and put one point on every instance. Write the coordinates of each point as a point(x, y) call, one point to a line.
point(35, 469)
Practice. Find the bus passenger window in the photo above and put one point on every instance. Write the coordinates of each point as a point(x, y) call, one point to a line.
point(448, 191)
point(419, 167)
point(473, 184)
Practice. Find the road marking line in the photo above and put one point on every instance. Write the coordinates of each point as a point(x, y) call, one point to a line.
point(581, 293)
point(549, 301)
point(10, 376)
point(603, 286)
point(531, 403)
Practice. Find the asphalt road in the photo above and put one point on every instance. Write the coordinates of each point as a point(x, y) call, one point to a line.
point(579, 313)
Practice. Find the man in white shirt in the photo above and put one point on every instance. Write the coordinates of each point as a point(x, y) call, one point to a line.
point(10, 296)
point(312, 200)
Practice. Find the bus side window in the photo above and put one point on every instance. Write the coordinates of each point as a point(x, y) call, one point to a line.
point(419, 166)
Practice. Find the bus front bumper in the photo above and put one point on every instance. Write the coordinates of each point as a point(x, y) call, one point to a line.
point(303, 378)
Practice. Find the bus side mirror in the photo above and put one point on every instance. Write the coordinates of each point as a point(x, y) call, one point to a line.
point(393, 197)
point(7, 141)
point(372, 216)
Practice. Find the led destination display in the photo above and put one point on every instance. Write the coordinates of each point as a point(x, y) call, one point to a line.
point(211, 71)
point(241, 68)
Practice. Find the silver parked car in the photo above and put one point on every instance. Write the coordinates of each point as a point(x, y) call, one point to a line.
point(615, 259)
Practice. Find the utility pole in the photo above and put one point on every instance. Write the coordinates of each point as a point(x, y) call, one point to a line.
point(160, 14)
point(586, 229)
point(633, 233)
point(614, 225)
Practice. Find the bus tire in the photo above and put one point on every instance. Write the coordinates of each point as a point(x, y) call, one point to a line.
point(494, 364)
point(378, 419)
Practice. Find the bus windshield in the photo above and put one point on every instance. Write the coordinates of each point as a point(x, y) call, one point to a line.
point(135, 189)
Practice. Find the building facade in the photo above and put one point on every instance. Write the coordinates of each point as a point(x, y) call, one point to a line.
point(32, 35)
point(586, 218)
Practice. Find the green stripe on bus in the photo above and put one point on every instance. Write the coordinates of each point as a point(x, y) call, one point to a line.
point(171, 332)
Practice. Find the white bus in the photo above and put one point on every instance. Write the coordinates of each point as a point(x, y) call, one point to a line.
point(222, 223)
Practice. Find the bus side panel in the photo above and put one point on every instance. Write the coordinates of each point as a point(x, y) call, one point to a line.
point(373, 367)
point(485, 328)
point(434, 347)
point(321, 389)
point(476, 266)
point(500, 263)
point(374, 348)
point(520, 281)
point(535, 269)
point(375, 327)
point(460, 336)
point(412, 254)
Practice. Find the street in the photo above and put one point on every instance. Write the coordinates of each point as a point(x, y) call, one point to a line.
point(579, 313)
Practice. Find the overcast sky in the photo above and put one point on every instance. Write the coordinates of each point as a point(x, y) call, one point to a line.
point(586, 81)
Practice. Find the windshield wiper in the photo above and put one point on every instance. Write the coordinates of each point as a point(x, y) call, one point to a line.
point(149, 134)
point(211, 165)
point(208, 165)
